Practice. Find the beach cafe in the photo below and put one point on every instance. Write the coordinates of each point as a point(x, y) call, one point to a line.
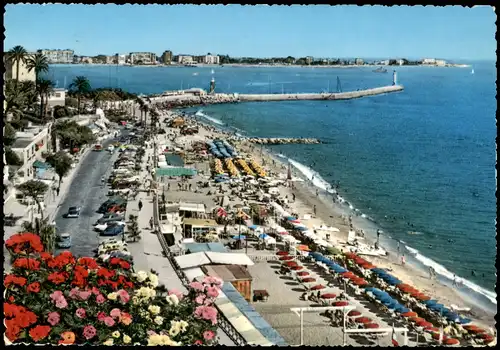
point(192, 227)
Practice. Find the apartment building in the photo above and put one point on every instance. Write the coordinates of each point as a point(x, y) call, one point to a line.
point(29, 146)
point(166, 57)
point(58, 56)
point(211, 59)
point(11, 70)
point(359, 61)
point(120, 58)
point(142, 58)
point(57, 98)
point(309, 59)
point(185, 59)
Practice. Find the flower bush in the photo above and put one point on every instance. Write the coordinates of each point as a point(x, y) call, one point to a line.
point(67, 300)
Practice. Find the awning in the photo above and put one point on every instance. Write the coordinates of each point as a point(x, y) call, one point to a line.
point(40, 165)
point(175, 172)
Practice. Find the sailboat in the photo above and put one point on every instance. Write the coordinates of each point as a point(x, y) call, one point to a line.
point(213, 72)
point(472, 71)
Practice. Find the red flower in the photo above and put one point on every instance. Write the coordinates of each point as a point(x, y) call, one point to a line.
point(103, 272)
point(58, 277)
point(27, 263)
point(88, 262)
point(62, 260)
point(12, 310)
point(24, 242)
point(33, 287)
point(119, 262)
point(198, 342)
point(13, 330)
point(81, 271)
point(13, 279)
point(11, 299)
point(25, 319)
point(39, 332)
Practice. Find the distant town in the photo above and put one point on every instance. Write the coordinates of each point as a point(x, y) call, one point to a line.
point(168, 58)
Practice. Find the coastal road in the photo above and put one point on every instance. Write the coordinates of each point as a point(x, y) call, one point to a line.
point(87, 192)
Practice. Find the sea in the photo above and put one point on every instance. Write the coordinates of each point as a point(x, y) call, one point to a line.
point(418, 165)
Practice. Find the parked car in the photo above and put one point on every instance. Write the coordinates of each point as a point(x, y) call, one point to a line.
point(104, 226)
point(73, 212)
point(98, 147)
point(113, 230)
point(64, 241)
point(108, 218)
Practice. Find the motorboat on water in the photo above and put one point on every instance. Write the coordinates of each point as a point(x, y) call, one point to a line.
point(190, 65)
point(380, 70)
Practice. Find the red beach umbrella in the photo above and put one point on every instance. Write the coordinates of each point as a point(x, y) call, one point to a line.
point(286, 257)
point(309, 280)
point(371, 325)
point(341, 303)
point(282, 253)
point(437, 335)
point(318, 287)
point(347, 274)
point(297, 268)
point(360, 261)
point(328, 296)
point(350, 255)
point(409, 314)
point(477, 330)
point(416, 319)
point(354, 313)
point(415, 293)
point(423, 297)
point(403, 286)
point(290, 263)
point(424, 324)
point(484, 336)
point(431, 329)
point(364, 320)
point(470, 327)
point(451, 341)
point(360, 282)
point(303, 273)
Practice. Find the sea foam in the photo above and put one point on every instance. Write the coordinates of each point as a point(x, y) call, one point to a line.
point(212, 119)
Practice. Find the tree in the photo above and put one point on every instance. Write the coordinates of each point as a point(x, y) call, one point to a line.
point(9, 135)
point(11, 157)
point(38, 62)
point(80, 86)
point(44, 88)
point(17, 55)
point(61, 162)
point(20, 99)
point(133, 228)
point(34, 189)
point(73, 135)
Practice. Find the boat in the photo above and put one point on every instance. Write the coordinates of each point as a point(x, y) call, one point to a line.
point(190, 65)
point(195, 73)
point(213, 72)
point(380, 70)
point(472, 71)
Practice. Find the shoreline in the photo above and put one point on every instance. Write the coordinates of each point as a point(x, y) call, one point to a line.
point(306, 199)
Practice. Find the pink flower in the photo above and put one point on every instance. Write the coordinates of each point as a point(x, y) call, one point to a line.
point(108, 321)
point(95, 291)
point(212, 292)
point(101, 316)
point(100, 299)
point(89, 332)
point(61, 303)
point(208, 313)
point(73, 294)
point(177, 293)
point(115, 313)
point(124, 296)
point(197, 286)
point(211, 280)
point(57, 295)
point(198, 342)
point(150, 332)
point(53, 318)
point(84, 295)
point(80, 313)
point(200, 299)
point(208, 335)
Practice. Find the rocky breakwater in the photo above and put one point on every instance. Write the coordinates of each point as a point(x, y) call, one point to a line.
point(282, 141)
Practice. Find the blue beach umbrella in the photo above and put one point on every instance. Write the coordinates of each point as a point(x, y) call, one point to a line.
point(403, 310)
point(370, 289)
point(252, 227)
point(452, 317)
point(429, 302)
point(462, 320)
point(262, 236)
point(300, 228)
point(291, 218)
point(240, 237)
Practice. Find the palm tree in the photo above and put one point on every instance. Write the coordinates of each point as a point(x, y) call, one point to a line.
point(17, 54)
point(38, 62)
point(44, 88)
point(98, 97)
point(80, 85)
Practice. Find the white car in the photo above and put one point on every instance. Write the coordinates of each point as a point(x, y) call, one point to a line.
point(103, 227)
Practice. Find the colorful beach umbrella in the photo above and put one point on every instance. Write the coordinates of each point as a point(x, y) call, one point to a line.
point(282, 253)
point(371, 325)
point(451, 341)
point(290, 263)
point(341, 303)
point(328, 296)
point(409, 314)
point(286, 257)
point(354, 313)
point(318, 287)
point(297, 268)
point(303, 273)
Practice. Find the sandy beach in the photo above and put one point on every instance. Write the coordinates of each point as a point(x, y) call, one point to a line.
point(327, 213)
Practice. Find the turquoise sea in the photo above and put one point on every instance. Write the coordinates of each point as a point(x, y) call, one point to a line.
point(422, 160)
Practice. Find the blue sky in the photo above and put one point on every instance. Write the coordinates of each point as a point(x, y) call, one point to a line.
point(450, 32)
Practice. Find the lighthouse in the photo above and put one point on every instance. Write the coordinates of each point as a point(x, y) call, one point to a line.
point(394, 78)
point(212, 85)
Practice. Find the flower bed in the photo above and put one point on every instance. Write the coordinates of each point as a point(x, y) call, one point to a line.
point(67, 300)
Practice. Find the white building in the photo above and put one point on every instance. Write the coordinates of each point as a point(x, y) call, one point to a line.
point(29, 146)
point(121, 59)
point(57, 98)
point(185, 59)
point(441, 63)
point(211, 59)
point(58, 56)
point(429, 61)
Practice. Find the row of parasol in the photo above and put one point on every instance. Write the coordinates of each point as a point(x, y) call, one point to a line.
point(245, 167)
point(221, 149)
point(218, 169)
point(231, 167)
point(258, 169)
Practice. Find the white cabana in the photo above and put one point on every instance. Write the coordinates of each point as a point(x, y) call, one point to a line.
point(229, 258)
point(192, 260)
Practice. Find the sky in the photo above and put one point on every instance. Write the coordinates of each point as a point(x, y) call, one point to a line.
point(451, 32)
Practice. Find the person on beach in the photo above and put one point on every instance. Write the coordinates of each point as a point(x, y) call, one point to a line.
point(314, 209)
point(140, 205)
point(293, 196)
point(317, 193)
point(455, 281)
point(151, 223)
point(403, 260)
